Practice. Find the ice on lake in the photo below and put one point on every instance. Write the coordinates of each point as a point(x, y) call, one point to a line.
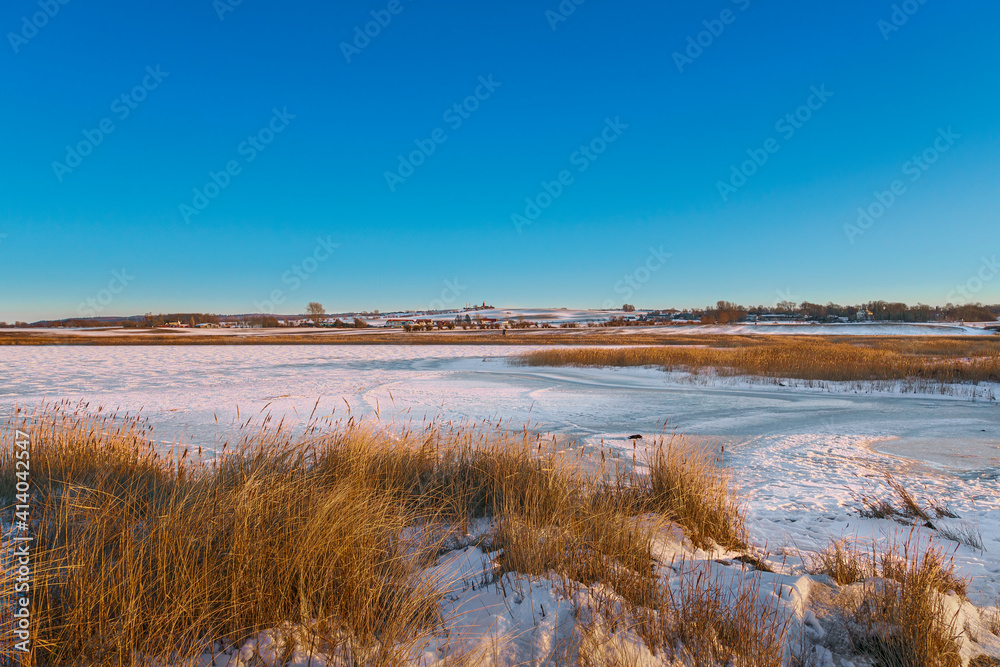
point(797, 452)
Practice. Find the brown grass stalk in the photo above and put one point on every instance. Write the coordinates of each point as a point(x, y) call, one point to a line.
point(144, 555)
point(897, 616)
point(800, 357)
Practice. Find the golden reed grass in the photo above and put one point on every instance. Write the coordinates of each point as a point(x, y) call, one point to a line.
point(802, 357)
point(150, 558)
point(144, 557)
point(898, 617)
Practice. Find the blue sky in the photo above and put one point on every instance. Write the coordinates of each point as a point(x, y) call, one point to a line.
point(642, 137)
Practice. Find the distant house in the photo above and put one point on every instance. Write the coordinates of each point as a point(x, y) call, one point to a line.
point(400, 322)
point(863, 316)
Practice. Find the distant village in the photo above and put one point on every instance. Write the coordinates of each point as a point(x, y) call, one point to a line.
point(484, 316)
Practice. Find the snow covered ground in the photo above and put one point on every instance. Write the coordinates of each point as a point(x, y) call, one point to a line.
point(556, 317)
point(799, 452)
point(849, 329)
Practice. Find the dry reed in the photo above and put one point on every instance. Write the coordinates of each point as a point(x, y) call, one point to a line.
point(144, 556)
point(799, 357)
point(898, 616)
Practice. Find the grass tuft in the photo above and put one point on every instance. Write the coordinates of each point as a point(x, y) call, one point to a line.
point(686, 485)
point(992, 618)
point(718, 623)
point(842, 563)
point(898, 616)
point(147, 557)
point(901, 506)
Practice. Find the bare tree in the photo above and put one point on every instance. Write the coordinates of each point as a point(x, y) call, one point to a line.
point(315, 311)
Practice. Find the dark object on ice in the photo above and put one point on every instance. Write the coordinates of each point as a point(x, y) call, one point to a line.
point(635, 437)
point(754, 562)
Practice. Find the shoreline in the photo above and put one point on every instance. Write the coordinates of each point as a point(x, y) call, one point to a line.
point(652, 335)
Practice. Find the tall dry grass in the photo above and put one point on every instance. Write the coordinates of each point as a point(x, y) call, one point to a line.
point(899, 504)
point(148, 556)
point(8, 655)
point(993, 618)
point(709, 619)
point(694, 489)
point(801, 357)
point(953, 347)
point(139, 556)
point(898, 617)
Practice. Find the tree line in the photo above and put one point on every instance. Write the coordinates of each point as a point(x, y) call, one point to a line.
point(725, 312)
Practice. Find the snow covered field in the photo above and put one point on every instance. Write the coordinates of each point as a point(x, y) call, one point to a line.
point(798, 452)
point(553, 317)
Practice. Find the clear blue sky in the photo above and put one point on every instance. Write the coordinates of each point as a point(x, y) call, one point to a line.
point(556, 84)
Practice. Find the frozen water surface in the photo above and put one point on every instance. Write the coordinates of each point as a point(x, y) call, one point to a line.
point(797, 451)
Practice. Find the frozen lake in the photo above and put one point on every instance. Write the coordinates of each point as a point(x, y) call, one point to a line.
point(796, 451)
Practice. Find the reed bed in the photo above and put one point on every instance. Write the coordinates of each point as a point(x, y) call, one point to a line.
point(708, 619)
point(953, 347)
point(898, 615)
point(146, 557)
point(800, 357)
point(992, 617)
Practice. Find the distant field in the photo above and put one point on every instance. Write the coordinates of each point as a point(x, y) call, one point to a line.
point(715, 336)
point(937, 359)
